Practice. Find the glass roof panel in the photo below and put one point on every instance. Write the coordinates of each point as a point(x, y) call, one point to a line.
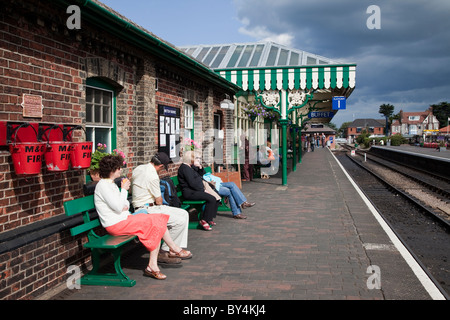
point(220, 57)
point(246, 56)
point(235, 56)
point(256, 55)
point(272, 56)
point(202, 53)
point(282, 60)
point(294, 59)
point(211, 55)
point(311, 60)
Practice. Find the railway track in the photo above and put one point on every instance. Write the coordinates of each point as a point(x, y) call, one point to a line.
point(431, 197)
point(436, 183)
point(423, 229)
point(426, 189)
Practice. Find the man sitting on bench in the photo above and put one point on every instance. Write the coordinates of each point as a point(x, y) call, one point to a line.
point(146, 193)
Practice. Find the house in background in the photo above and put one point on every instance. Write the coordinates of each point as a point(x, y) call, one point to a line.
point(416, 124)
point(374, 126)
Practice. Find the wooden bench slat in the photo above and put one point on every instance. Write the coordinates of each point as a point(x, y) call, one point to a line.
point(194, 201)
point(84, 227)
point(79, 205)
point(109, 242)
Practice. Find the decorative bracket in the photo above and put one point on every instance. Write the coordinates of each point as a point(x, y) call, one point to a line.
point(270, 100)
point(297, 99)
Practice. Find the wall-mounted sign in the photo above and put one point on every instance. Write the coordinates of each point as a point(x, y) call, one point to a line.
point(169, 130)
point(321, 114)
point(32, 106)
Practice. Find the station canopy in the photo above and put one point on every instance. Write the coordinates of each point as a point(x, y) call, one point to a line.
point(265, 66)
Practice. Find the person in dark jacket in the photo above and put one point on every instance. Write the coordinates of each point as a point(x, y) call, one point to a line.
point(192, 187)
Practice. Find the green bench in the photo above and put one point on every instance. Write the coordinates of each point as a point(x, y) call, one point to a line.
point(197, 204)
point(98, 245)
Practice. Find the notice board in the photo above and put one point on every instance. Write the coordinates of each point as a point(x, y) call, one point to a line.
point(169, 130)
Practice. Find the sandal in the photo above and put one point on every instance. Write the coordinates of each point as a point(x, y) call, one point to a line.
point(154, 274)
point(212, 223)
point(182, 254)
point(205, 225)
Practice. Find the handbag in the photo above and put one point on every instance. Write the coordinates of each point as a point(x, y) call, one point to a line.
point(210, 190)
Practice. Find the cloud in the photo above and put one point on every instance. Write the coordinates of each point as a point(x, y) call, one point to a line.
point(405, 63)
point(261, 33)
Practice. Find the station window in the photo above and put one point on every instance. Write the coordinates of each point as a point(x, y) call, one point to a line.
point(189, 121)
point(100, 105)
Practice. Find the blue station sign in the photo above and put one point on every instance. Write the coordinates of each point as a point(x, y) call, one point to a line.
point(321, 114)
point(339, 103)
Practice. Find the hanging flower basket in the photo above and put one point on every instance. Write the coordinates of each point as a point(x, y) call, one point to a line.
point(190, 145)
point(99, 154)
point(255, 110)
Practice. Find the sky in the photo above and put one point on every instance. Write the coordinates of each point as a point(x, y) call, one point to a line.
point(401, 47)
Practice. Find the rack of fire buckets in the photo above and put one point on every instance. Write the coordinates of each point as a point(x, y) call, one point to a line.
point(32, 144)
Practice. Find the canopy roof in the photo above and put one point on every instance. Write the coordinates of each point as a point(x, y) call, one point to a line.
point(270, 66)
point(253, 55)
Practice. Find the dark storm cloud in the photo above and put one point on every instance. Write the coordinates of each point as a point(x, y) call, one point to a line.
point(407, 60)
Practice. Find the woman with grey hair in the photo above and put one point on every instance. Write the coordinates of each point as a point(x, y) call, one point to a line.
point(192, 187)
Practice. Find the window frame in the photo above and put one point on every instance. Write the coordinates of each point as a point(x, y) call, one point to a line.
point(189, 119)
point(98, 84)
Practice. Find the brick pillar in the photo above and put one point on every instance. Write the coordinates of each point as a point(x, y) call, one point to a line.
point(145, 123)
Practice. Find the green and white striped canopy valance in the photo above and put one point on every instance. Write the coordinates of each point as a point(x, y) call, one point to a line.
point(310, 77)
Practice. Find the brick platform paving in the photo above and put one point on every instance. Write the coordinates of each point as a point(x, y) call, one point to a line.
point(312, 239)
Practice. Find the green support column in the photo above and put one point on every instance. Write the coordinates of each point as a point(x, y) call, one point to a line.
point(294, 149)
point(284, 124)
point(300, 146)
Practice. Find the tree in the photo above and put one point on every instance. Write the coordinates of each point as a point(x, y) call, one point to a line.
point(332, 126)
point(442, 112)
point(343, 128)
point(387, 110)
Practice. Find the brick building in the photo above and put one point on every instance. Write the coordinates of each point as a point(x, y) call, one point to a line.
point(109, 76)
point(373, 126)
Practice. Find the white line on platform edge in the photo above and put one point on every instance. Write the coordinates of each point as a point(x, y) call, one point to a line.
point(429, 286)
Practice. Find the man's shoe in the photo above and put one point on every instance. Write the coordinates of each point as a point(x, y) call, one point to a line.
point(246, 205)
point(240, 216)
point(168, 262)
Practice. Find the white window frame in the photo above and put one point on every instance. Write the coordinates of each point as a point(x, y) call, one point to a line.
point(188, 121)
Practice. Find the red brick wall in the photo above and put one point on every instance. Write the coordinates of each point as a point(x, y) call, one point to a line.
point(39, 55)
point(35, 62)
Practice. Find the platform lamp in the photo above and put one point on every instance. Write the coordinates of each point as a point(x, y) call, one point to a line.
point(227, 103)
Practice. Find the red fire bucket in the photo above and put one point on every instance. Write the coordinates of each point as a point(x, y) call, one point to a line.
point(81, 154)
point(27, 156)
point(57, 156)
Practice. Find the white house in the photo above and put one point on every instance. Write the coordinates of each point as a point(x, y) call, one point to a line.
point(416, 123)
